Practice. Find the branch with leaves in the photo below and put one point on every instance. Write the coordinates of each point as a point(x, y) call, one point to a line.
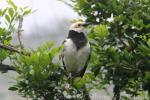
point(10, 48)
point(13, 49)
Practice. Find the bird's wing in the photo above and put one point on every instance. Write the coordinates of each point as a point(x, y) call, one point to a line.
point(61, 56)
point(86, 64)
point(63, 62)
point(81, 73)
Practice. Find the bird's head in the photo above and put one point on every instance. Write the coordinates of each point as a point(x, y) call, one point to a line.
point(79, 26)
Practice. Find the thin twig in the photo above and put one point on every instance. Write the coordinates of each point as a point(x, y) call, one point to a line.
point(12, 49)
point(20, 30)
point(9, 48)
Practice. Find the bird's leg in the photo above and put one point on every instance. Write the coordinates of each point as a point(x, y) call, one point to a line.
point(70, 78)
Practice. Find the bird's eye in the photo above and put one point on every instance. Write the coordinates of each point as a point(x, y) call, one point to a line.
point(78, 25)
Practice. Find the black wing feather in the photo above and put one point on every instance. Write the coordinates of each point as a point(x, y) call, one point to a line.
point(62, 58)
point(86, 64)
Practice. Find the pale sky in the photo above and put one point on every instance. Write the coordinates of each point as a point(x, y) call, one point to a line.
point(49, 13)
point(50, 21)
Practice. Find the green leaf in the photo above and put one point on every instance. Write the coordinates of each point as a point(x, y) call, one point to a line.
point(147, 75)
point(55, 51)
point(144, 49)
point(4, 11)
point(101, 31)
point(148, 42)
point(80, 82)
point(13, 88)
point(44, 59)
point(46, 46)
point(27, 12)
point(11, 12)
point(7, 18)
point(1, 12)
point(10, 2)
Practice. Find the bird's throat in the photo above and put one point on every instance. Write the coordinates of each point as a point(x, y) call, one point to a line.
point(79, 39)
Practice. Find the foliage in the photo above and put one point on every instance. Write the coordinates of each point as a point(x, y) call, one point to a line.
point(9, 16)
point(41, 78)
point(120, 42)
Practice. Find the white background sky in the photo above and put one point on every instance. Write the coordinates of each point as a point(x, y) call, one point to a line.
point(49, 22)
point(49, 13)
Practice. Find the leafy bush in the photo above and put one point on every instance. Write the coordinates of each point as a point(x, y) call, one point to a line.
point(42, 78)
point(9, 17)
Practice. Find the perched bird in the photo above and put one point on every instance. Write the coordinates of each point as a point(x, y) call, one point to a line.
point(76, 53)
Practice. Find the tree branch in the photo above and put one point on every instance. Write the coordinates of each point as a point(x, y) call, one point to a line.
point(12, 49)
point(20, 30)
point(9, 48)
point(4, 68)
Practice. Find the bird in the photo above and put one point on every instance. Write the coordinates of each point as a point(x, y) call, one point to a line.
point(77, 50)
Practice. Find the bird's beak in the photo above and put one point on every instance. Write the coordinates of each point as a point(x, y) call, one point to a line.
point(89, 23)
point(86, 24)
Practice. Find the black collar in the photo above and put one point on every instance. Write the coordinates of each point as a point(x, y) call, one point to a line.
point(79, 39)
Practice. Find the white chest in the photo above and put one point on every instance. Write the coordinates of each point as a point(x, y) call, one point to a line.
point(75, 59)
